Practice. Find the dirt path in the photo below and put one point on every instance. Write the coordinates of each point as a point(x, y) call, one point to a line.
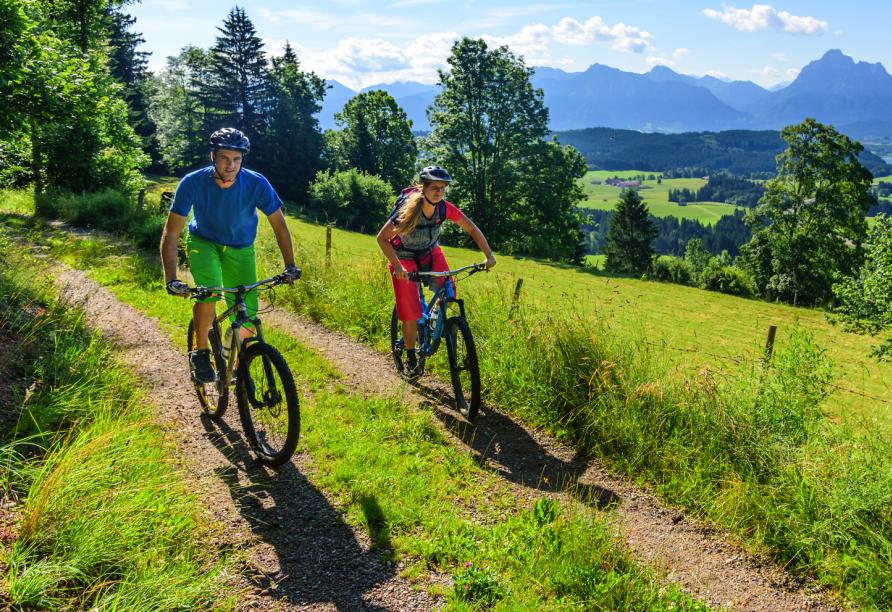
point(303, 556)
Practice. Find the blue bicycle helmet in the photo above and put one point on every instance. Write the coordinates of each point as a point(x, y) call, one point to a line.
point(230, 138)
point(434, 173)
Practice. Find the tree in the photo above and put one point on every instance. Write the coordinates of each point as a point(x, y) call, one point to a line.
point(810, 225)
point(129, 67)
point(546, 220)
point(293, 146)
point(177, 110)
point(866, 299)
point(58, 95)
point(489, 125)
point(238, 89)
point(352, 199)
point(628, 248)
point(376, 138)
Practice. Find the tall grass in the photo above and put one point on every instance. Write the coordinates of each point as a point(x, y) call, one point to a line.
point(107, 521)
point(749, 449)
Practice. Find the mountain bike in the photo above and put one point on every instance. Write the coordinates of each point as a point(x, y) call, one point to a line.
point(436, 324)
point(263, 384)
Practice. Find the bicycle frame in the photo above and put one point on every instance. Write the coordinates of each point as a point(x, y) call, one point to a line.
point(241, 318)
point(439, 299)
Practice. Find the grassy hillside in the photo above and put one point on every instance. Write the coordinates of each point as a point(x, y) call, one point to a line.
point(693, 327)
point(656, 195)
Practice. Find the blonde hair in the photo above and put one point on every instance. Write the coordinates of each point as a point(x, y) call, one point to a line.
point(411, 211)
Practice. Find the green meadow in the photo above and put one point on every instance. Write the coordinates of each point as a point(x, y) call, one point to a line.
point(693, 328)
point(656, 195)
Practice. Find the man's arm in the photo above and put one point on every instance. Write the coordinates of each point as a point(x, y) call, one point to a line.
point(283, 236)
point(169, 238)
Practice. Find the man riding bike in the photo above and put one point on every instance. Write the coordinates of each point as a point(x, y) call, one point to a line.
point(224, 199)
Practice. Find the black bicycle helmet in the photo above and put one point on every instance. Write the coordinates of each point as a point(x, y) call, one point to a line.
point(230, 138)
point(434, 173)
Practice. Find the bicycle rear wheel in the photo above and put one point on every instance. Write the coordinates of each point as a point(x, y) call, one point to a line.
point(268, 404)
point(213, 397)
point(463, 367)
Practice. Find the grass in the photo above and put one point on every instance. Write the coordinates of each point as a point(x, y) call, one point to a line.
point(655, 195)
point(666, 383)
point(396, 476)
point(106, 521)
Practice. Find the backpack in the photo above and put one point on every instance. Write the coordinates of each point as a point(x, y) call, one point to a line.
point(432, 225)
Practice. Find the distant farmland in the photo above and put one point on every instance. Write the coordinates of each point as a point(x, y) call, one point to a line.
point(655, 194)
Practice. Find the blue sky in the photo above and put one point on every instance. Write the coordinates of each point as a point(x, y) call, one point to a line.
point(360, 43)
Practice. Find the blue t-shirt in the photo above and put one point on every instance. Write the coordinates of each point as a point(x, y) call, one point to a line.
point(225, 216)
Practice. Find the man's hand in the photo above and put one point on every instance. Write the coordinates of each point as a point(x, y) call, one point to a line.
point(292, 273)
point(178, 288)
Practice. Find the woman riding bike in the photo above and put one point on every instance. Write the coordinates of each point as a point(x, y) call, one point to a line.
point(410, 241)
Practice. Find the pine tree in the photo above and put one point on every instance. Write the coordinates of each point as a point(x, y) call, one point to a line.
point(630, 235)
point(238, 90)
point(293, 147)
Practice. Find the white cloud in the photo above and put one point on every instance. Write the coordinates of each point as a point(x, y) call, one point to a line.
point(357, 61)
point(680, 53)
point(718, 74)
point(780, 57)
point(621, 36)
point(659, 61)
point(762, 16)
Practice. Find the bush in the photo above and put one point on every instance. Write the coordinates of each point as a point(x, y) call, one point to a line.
point(351, 199)
point(670, 269)
point(728, 279)
point(107, 210)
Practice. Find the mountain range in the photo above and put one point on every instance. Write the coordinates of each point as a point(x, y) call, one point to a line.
point(855, 97)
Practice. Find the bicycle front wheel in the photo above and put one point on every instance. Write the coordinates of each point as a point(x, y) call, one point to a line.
point(463, 367)
point(396, 341)
point(268, 405)
point(213, 397)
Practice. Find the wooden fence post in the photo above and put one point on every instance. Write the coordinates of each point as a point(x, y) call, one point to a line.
point(515, 301)
point(327, 245)
point(769, 343)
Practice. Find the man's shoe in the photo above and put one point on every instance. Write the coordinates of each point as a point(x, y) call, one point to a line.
point(202, 371)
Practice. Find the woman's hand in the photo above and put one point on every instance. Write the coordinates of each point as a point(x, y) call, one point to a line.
point(400, 273)
point(490, 261)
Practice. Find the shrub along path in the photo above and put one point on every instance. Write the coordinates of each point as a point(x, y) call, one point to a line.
point(303, 556)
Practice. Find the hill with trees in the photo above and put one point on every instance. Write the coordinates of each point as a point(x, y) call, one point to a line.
point(740, 152)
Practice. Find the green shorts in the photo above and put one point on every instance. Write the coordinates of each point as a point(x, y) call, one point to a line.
point(217, 265)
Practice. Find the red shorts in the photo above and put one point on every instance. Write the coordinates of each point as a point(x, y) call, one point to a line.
point(408, 305)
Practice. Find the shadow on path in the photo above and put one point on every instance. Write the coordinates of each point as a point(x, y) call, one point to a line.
point(311, 556)
point(517, 456)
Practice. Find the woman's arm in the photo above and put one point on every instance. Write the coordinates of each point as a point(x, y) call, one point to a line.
point(385, 235)
point(478, 238)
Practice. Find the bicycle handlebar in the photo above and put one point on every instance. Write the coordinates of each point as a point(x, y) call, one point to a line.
point(204, 292)
point(474, 268)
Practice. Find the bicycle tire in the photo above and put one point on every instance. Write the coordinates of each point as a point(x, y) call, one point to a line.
point(270, 413)
point(464, 369)
point(213, 397)
point(396, 335)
